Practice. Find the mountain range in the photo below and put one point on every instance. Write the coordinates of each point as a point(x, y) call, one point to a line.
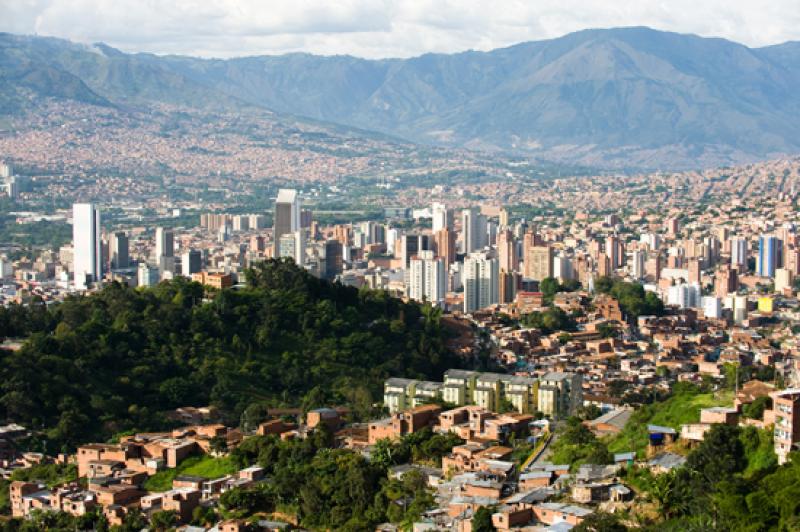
point(625, 97)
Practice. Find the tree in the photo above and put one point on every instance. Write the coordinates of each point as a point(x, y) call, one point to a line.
point(163, 520)
point(719, 456)
point(218, 444)
point(482, 520)
point(600, 522)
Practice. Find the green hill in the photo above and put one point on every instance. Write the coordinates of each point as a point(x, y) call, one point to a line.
point(112, 361)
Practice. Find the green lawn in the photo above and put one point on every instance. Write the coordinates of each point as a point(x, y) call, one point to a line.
point(198, 466)
point(678, 410)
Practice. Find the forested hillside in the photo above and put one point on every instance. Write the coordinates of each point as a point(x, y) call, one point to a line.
point(115, 360)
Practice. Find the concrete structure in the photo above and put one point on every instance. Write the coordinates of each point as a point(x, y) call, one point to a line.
point(87, 258)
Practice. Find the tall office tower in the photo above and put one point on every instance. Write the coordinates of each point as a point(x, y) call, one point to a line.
point(612, 251)
point(306, 218)
point(539, 263)
point(411, 245)
point(366, 230)
point(334, 263)
point(768, 255)
point(637, 264)
point(87, 258)
point(473, 230)
point(392, 239)
point(481, 278)
point(442, 217)
point(445, 241)
point(293, 245)
point(5, 171)
point(490, 238)
point(504, 218)
point(739, 254)
point(165, 243)
point(712, 250)
point(507, 251)
point(508, 285)
point(119, 250)
point(562, 268)
point(427, 278)
point(287, 215)
point(191, 262)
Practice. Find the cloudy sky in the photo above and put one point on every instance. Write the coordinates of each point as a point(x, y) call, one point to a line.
point(380, 28)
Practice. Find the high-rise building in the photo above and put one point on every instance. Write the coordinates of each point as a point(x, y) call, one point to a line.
point(504, 218)
point(562, 268)
point(334, 263)
point(427, 278)
point(508, 285)
point(165, 243)
point(412, 244)
point(726, 281)
point(684, 295)
point(672, 226)
point(293, 245)
point(87, 257)
point(612, 251)
point(539, 263)
point(739, 254)
point(191, 262)
point(442, 217)
point(783, 279)
point(287, 215)
point(481, 278)
point(768, 255)
point(147, 275)
point(119, 250)
point(637, 265)
point(786, 405)
point(507, 251)
point(473, 230)
point(445, 241)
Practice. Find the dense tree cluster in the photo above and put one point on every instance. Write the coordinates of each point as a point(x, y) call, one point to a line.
point(550, 320)
point(336, 489)
point(112, 361)
point(633, 300)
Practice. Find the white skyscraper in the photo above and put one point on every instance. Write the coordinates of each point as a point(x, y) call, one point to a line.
point(287, 214)
point(739, 254)
point(637, 264)
point(87, 258)
point(473, 227)
point(481, 282)
point(427, 278)
point(562, 268)
point(441, 217)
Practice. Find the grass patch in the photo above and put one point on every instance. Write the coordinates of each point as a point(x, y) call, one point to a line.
point(680, 409)
point(50, 474)
point(197, 466)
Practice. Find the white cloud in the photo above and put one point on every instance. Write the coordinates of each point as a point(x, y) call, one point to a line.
point(380, 28)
